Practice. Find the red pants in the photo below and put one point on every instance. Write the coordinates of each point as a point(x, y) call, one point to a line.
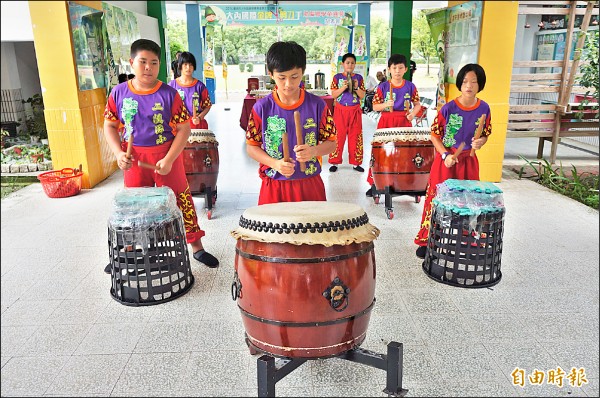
point(277, 191)
point(348, 122)
point(389, 120)
point(176, 180)
point(467, 168)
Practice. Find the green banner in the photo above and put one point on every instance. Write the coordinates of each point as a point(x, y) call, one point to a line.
point(437, 26)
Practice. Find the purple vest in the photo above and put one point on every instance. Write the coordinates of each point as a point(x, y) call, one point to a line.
point(400, 95)
point(276, 120)
point(460, 125)
point(148, 114)
point(191, 96)
point(347, 98)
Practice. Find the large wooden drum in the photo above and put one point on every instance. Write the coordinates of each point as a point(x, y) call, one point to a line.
point(305, 277)
point(401, 159)
point(201, 161)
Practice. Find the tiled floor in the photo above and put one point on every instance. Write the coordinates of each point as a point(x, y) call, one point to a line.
point(63, 334)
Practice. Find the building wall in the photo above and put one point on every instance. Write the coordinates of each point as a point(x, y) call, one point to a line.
point(29, 76)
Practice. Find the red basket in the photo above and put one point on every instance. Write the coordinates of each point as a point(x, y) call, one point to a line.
point(61, 183)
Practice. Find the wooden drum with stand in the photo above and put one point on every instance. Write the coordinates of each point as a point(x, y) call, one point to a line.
point(304, 277)
point(201, 163)
point(401, 160)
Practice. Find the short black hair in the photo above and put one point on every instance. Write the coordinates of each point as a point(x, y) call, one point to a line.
point(130, 76)
point(144, 44)
point(397, 59)
point(186, 58)
point(286, 55)
point(479, 72)
point(122, 77)
point(348, 55)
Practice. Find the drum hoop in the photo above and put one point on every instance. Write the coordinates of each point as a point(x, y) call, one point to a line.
point(202, 135)
point(403, 134)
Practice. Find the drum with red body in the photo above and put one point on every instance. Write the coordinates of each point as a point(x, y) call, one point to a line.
point(201, 161)
point(401, 159)
point(305, 277)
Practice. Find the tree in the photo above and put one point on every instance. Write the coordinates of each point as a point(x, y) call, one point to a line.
point(421, 41)
point(380, 37)
point(177, 36)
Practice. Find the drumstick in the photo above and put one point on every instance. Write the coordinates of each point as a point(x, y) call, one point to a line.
point(147, 165)
point(458, 150)
point(129, 145)
point(286, 147)
point(299, 137)
point(478, 131)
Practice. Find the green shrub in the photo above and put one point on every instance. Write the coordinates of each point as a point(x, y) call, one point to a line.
point(583, 187)
point(249, 67)
point(242, 67)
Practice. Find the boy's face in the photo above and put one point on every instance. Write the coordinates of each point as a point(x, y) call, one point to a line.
point(145, 66)
point(349, 64)
point(288, 82)
point(397, 71)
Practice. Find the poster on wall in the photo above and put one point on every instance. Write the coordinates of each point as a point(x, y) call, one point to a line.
point(275, 14)
point(437, 26)
point(359, 49)
point(86, 27)
point(122, 29)
point(341, 46)
point(463, 29)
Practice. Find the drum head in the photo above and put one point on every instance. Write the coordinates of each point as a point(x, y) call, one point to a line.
point(395, 134)
point(311, 223)
point(202, 135)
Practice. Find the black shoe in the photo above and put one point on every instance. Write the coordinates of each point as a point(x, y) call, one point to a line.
point(107, 269)
point(333, 168)
point(359, 169)
point(421, 251)
point(206, 258)
point(369, 192)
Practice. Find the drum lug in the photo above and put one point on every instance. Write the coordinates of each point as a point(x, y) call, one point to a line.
point(418, 160)
point(207, 161)
point(236, 287)
point(337, 295)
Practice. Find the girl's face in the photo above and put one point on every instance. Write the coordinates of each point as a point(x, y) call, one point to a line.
point(469, 87)
point(349, 65)
point(288, 82)
point(397, 71)
point(187, 69)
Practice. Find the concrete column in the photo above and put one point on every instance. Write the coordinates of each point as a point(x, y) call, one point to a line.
point(158, 10)
point(74, 119)
point(194, 31)
point(496, 52)
point(401, 26)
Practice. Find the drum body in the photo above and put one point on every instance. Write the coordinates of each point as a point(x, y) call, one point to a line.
point(302, 299)
point(201, 161)
point(401, 160)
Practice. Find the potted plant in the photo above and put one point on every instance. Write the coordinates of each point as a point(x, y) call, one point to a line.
point(35, 121)
point(36, 154)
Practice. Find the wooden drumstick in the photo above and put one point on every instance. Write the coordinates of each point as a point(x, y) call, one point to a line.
point(479, 130)
point(286, 147)
point(147, 165)
point(458, 150)
point(129, 145)
point(299, 137)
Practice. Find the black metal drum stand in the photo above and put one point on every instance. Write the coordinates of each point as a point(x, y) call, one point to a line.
point(271, 369)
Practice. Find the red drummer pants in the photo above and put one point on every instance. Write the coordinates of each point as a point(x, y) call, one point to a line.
point(389, 120)
point(138, 176)
point(277, 191)
point(467, 168)
point(348, 122)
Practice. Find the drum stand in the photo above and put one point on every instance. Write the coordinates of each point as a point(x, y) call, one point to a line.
point(271, 369)
point(389, 194)
point(210, 198)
